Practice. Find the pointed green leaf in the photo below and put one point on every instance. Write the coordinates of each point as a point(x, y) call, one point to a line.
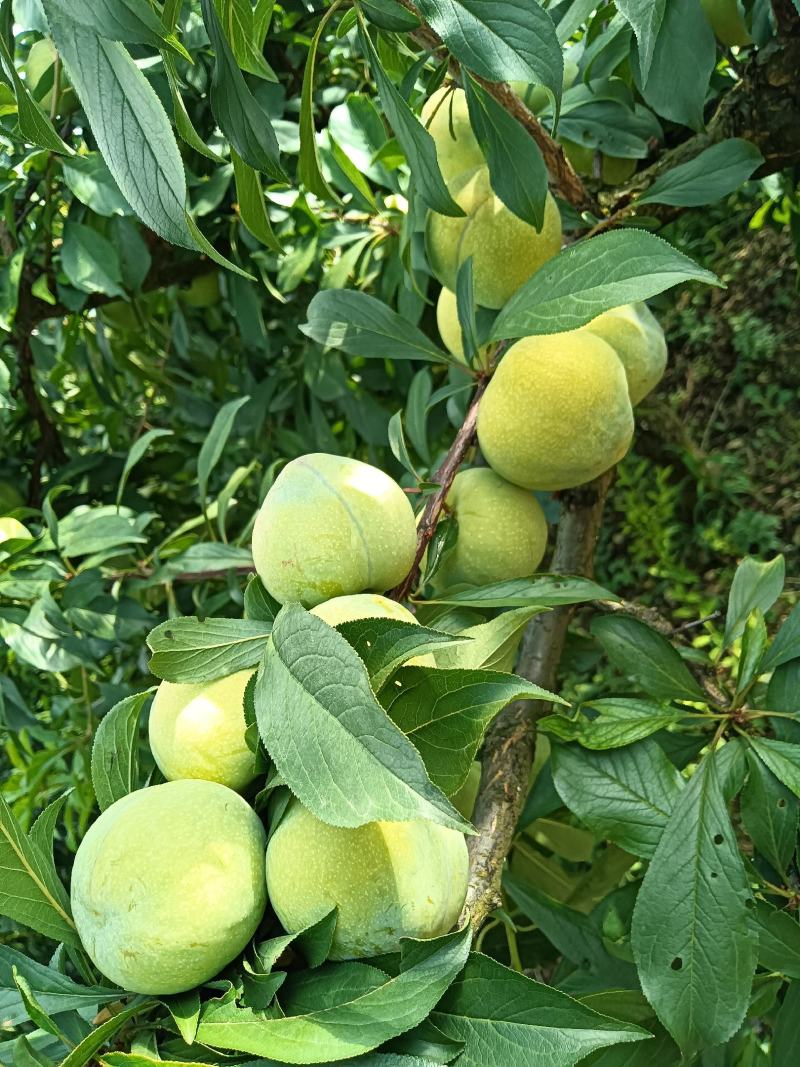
point(647, 657)
point(193, 650)
point(115, 752)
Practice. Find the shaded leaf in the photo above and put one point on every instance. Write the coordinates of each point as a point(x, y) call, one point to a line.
point(714, 173)
point(647, 657)
point(115, 751)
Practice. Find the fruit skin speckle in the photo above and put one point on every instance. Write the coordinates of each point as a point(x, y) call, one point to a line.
point(168, 885)
point(331, 526)
point(388, 880)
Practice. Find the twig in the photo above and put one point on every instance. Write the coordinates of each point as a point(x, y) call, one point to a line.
point(508, 749)
point(444, 476)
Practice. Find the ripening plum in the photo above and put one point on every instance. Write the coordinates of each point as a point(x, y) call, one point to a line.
point(446, 116)
point(505, 250)
point(636, 336)
point(198, 731)
point(388, 880)
point(502, 531)
point(12, 529)
point(331, 526)
point(450, 328)
point(168, 885)
point(557, 412)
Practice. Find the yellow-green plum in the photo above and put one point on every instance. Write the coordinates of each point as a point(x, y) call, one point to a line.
point(368, 606)
point(502, 531)
point(463, 800)
point(202, 292)
point(535, 96)
point(636, 336)
point(13, 529)
point(505, 250)
point(331, 526)
point(388, 880)
point(616, 169)
point(557, 411)
point(450, 328)
point(727, 22)
point(446, 116)
point(198, 731)
point(168, 885)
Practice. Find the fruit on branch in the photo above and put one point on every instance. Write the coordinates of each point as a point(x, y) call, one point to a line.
point(636, 336)
point(446, 116)
point(388, 880)
point(613, 169)
point(450, 328)
point(505, 250)
point(168, 885)
point(535, 96)
point(557, 412)
point(727, 22)
point(368, 606)
point(331, 526)
point(203, 292)
point(502, 531)
point(198, 731)
point(12, 529)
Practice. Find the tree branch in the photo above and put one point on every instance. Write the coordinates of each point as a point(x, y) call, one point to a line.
point(444, 476)
point(508, 749)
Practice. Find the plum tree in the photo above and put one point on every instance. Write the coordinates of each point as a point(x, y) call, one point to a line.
point(11, 528)
point(388, 880)
point(450, 329)
point(198, 731)
point(502, 531)
point(505, 250)
point(556, 412)
point(168, 885)
point(330, 526)
point(727, 22)
point(446, 115)
point(636, 336)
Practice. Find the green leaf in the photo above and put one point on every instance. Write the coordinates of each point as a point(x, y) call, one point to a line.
point(136, 452)
point(491, 644)
point(258, 604)
point(129, 125)
point(417, 144)
point(517, 170)
point(115, 752)
point(196, 650)
point(90, 261)
point(505, 1018)
point(645, 17)
point(509, 40)
point(385, 644)
point(241, 118)
point(755, 585)
point(185, 1010)
point(620, 721)
point(308, 171)
point(647, 657)
point(711, 175)
point(353, 1024)
point(363, 326)
point(239, 21)
point(769, 814)
point(31, 892)
point(90, 180)
point(215, 442)
point(592, 276)
point(543, 591)
point(683, 60)
point(130, 21)
point(252, 205)
point(693, 935)
point(101, 1035)
point(183, 124)
point(786, 645)
point(34, 125)
point(778, 940)
point(782, 758)
point(446, 712)
point(397, 443)
point(10, 274)
point(626, 795)
point(330, 739)
point(786, 1032)
point(55, 992)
